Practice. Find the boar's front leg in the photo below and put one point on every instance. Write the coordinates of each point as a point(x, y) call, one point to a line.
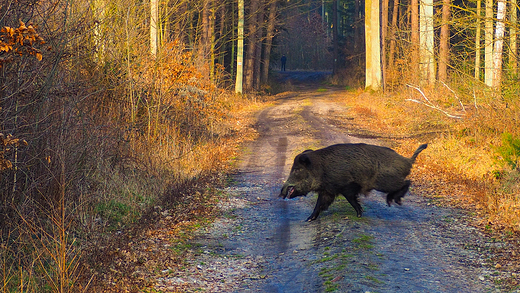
point(323, 203)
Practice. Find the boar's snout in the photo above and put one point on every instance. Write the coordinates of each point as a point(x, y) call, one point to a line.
point(287, 191)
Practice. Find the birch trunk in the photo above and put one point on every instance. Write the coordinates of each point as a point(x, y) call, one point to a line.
point(154, 15)
point(427, 66)
point(477, 41)
point(513, 63)
point(488, 44)
point(499, 44)
point(373, 46)
point(240, 48)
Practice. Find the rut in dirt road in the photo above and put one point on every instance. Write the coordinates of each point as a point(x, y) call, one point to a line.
point(263, 243)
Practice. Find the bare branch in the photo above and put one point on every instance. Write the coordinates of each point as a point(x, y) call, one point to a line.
point(430, 104)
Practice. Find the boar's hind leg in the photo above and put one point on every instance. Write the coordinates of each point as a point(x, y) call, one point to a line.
point(397, 195)
point(323, 203)
point(350, 192)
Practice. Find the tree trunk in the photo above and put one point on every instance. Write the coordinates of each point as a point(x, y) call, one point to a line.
point(499, 43)
point(477, 41)
point(384, 34)
point(513, 63)
point(258, 50)
point(233, 38)
point(211, 38)
point(154, 15)
point(391, 53)
point(269, 39)
point(251, 48)
point(335, 45)
point(444, 42)
point(373, 46)
point(427, 59)
point(488, 44)
point(240, 47)
point(205, 41)
point(357, 19)
point(414, 39)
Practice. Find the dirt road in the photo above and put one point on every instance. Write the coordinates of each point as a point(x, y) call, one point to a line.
point(263, 244)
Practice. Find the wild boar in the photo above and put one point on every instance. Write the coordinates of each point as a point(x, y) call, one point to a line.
point(349, 169)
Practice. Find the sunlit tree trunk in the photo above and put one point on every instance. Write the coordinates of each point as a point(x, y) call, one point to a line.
point(444, 41)
point(513, 35)
point(269, 39)
point(427, 59)
point(240, 47)
point(154, 15)
point(499, 44)
point(98, 11)
point(488, 44)
point(373, 46)
point(414, 38)
point(477, 41)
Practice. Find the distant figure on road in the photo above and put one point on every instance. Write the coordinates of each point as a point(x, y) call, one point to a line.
point(284, 60)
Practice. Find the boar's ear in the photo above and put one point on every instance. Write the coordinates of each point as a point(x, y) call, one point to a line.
point(305, 160)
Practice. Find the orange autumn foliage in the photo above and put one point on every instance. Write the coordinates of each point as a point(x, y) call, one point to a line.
point(19, 41)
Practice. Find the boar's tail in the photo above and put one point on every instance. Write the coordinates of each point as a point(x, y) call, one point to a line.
point(418, 151)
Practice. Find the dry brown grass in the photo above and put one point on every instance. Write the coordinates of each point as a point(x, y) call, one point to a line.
point(461, 165)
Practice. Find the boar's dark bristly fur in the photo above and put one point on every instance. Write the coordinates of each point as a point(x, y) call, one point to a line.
point(349, 169)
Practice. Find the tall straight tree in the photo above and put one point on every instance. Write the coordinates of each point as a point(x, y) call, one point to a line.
point(499, 44)
point(477, 40)
point(271, 22)
point(488, 44)
point(444, 41)
point(384, 34)
point(373, 75)
point(258, 50)
point(393, 38)
point(414, 38)
point(154, 16)
point(335, 44)
point(427, 59)
point(252, 44)
point(513, 35)
point(240, 48)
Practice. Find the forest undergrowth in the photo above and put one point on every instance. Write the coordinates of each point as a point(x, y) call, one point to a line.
point(89, 159)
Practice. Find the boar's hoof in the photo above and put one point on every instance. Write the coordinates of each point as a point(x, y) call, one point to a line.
point(311, 218)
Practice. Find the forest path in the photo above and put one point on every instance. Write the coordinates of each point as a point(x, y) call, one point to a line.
point(263, 244)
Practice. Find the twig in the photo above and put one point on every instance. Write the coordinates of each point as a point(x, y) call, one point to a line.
point(418, 89)
point(463, 108)
point(475, 99)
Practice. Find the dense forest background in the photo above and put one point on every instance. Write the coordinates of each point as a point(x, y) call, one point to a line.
point(107, 105)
